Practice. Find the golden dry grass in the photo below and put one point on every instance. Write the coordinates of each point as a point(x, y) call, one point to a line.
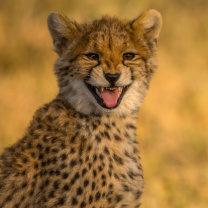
point(172, 129)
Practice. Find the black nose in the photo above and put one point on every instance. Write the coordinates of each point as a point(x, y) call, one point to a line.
point(112, 78)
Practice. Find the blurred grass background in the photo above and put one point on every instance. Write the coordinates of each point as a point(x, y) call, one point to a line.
point(173, 124)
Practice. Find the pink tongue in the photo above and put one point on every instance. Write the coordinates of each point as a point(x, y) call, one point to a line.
point(110, 97)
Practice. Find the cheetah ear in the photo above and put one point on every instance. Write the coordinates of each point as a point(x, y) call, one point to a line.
point(148, 25)
point(62, 30)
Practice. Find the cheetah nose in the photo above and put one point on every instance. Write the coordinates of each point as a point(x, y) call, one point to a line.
point(112, 78)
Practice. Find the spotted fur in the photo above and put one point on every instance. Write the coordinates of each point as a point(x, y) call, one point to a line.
point(76, 153)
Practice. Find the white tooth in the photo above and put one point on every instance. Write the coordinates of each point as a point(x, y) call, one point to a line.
point(101, 89)
point(120, 89)
point(97, 91)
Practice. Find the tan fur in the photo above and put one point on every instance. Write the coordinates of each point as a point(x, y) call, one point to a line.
point(76, 153)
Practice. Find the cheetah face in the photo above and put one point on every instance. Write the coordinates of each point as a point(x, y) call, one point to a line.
point(109, 89)
point(105, 65)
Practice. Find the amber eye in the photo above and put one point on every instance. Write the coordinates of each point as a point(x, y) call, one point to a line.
point(92, 56)
point(128, 56)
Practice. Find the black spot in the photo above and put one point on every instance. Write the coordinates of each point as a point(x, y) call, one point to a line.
point(52, 172)
point(94, 126)
point(74, 201)
point(107, 135)
point(51, 194)
point(54, 160)
point(86, 182)
point(138, 205)
point(116, 176)
point(109, 199)
point(130, 126)
point(82, 205)
point(79, 191)
point(31, 132)
point(90, 165)
point(31, 193)
point(87, 158)
point(110, 186)
point(29, 145)
point(40, 156)
point(119, 198)
point(33, 154)
point(61, 201)
point(80, 161)
point(22, 198)
point(65, 175)
point(24, 185)
point(98, 138)
point(106, 151)
point(72, 151)
point(56, 184)
point(82, 145)
point(63, 156)
point(66, 187)
point(132, 174)
point(101, 157)
point(107, 125)
point(100, 167)
point(93, 185)
point(94, 158)
point(94, 173)
point(39, 146)
point(49, 128)
point(39, 126)
point(46, 182)
point(47, 150)
point(103, 177)
point(36, 166)
point(44, 172)
point(73, 138)
point(118, 159)
point(57, 172)
point(123, 176)
point(90, 199)
point(76, 176)
point(97, 196)
point(54, 139)
point(138, 194)
point(103, 183)
point(89, 148)
point(43, 164)
point(118, 130)
point(117, 138)
point(63, 145)
point(73, 163)
point(45, 138)
point(84, 171)
point(65, 68)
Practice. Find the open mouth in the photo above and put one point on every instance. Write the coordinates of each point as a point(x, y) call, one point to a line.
point(108, 97)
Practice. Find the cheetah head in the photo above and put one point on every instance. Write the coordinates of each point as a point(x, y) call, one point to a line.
point(105, 66)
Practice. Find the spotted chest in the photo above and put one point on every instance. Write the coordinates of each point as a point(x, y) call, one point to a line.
point(96, 166)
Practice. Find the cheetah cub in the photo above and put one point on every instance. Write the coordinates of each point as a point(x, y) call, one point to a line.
point(80, 149)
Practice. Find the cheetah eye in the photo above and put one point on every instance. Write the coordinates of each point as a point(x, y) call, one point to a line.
point(92, 56)
point(128, 56)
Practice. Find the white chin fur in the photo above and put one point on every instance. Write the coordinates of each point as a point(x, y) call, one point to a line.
point(81, 99)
